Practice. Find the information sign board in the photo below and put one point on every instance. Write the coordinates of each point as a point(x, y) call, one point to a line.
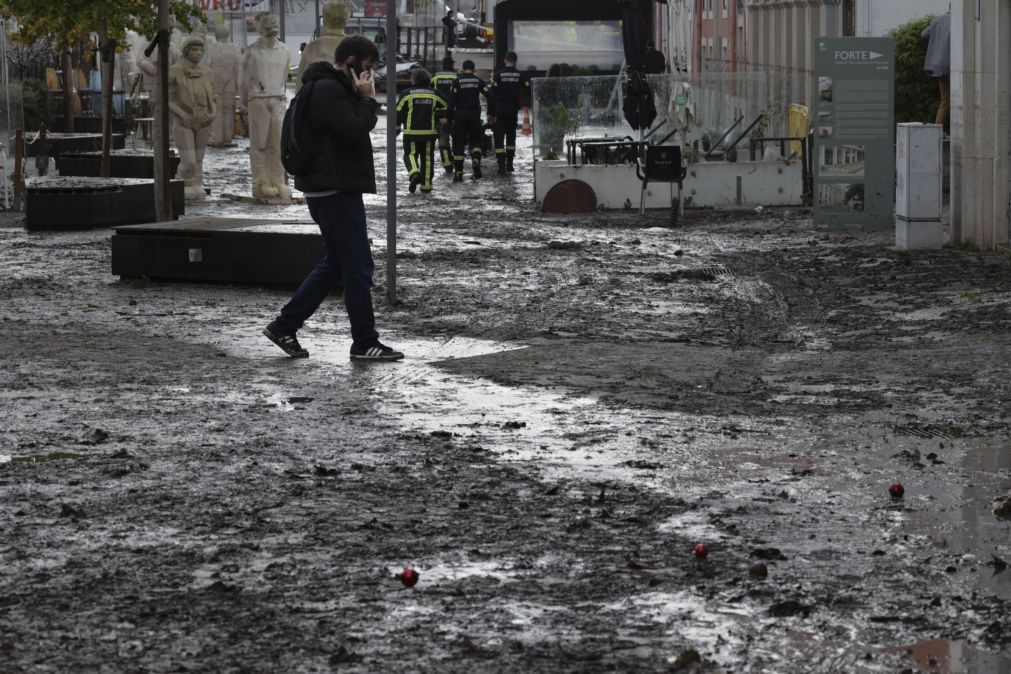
point(854, 131)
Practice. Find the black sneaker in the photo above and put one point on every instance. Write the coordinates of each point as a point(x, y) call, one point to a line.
point(415, 181)
point(288, 343)
point(375, 352)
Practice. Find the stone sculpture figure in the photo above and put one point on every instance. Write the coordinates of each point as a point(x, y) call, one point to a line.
point(225, 62)
point(191, 104)
point(335, 20)
point(264, 73)
point(148, 65)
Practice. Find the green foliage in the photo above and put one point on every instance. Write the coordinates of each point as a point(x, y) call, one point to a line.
point(27, 102)
point(33, 101)
point(558, 123)
point(561, 120)
point(916, 95)
point(69, 22)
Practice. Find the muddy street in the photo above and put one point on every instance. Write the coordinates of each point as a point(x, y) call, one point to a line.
point(585, 398)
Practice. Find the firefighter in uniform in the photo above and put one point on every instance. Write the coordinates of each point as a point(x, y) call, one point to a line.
point(468, 132)
point(510, 91)
point(420, 111)
point(443, 82)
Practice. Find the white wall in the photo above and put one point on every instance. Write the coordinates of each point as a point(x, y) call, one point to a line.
point(874, 18)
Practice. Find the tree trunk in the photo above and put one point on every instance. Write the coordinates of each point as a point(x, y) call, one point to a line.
point(162, 195)
point(107, 48)
point(68, 92)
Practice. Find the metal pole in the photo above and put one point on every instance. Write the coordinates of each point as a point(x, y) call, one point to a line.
point(315, 24)
point(283, 12)
point(6, 78)
point(391, 151)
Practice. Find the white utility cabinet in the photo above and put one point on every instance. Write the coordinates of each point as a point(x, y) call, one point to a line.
point(918, 186)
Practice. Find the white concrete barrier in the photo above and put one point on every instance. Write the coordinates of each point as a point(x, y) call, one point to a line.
point(708, 184)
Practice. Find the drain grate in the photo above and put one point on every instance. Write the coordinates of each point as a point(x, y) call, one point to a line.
point(699, 274)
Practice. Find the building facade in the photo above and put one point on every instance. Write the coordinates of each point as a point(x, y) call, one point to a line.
point(718, 35)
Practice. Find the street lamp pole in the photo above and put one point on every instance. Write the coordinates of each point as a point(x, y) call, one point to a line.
point(391, 151)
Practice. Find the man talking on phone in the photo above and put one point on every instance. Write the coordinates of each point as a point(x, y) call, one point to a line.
point(340, 114)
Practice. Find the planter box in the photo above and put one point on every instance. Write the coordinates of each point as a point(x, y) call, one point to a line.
point(124, 164)
point(75, 142)
point(86, 203)
point(219, 250)
point(91, 124)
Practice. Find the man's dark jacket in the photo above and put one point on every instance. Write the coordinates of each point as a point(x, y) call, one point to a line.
point(340, 122)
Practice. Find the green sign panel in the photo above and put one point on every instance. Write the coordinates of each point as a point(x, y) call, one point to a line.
point(854, 131)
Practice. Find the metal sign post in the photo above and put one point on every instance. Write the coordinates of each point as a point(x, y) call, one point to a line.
point(391, 151)
point(854, 132)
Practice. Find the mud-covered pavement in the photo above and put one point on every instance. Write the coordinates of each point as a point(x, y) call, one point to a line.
point(585, 399)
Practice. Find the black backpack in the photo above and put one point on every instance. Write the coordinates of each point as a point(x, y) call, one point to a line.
point(298, 151)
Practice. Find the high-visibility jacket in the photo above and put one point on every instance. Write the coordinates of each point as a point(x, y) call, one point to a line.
point(443, 82)
point(417, 111)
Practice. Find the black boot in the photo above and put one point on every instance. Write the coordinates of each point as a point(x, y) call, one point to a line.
point(477, 168)
point(509, 163)
point(501, 164)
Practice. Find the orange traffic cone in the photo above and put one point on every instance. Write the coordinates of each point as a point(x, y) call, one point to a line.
point(526, 130)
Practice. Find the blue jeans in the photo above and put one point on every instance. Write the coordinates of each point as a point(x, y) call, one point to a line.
point(341, 220)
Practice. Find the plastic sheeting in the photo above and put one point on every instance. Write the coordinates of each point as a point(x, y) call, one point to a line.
point(569, 107)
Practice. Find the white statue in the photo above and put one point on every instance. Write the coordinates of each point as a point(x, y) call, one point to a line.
point(225, 62)
point(148, 65)
point(264, 73)
point(335, 19)
point(191, 104)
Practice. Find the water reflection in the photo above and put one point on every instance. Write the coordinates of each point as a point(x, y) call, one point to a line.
point(947, 656)
point(969, 525)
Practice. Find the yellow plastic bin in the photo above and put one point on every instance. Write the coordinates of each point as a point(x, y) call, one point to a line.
point(800, 122)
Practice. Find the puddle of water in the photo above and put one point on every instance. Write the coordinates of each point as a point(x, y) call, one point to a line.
point(39, 458)
point(449, 572)
point(711, 629)
point(692, 526)
point(968, 525)
point(948, 656)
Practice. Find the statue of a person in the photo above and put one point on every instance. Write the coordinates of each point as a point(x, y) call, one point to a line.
point(335, 20)
point(150, 76)
point(225, 63)
point(191, 104)
point(264, 73)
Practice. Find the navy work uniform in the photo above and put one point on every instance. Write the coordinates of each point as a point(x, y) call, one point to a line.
point(510, 91)
point(443, 82)
point(467, 128)
point(418, 113)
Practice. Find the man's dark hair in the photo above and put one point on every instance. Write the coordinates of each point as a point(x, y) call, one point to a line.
point(650, 44)
point(468, 65)
point(358, 46)
point(447, 63)
point(511, 56)
point(421, 77)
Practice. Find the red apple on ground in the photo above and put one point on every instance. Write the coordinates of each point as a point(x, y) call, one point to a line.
point(409, 577)
point(896, 490)
point(701, 550)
